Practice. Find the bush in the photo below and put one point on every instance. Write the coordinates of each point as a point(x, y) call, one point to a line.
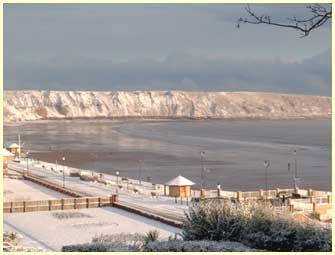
point(135, 240)
point(98, 247)
point(213, 221)
point(195, 246)
point(151, 236)
point(256, 225)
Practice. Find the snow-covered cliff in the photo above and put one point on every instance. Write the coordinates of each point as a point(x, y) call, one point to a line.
point(34, 105)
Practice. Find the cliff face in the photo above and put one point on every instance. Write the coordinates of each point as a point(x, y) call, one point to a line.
point(34, 105)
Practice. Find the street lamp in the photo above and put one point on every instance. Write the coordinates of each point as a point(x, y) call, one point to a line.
point(266, 164)
point(295, 169)
point(63, 158)
point(27, 153)
point(117, 177)
point(202, 154)
point(140, 171)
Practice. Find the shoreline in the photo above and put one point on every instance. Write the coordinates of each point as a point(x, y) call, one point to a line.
point(160, 119)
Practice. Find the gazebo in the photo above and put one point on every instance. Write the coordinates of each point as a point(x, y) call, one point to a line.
point(14, 148)
point(180, 187)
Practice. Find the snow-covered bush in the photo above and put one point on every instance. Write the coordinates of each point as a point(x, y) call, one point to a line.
point(135, 240)
point(256, 225)
point(213, 221)
point(70, 215)
point(195, 246)
point(99, 247)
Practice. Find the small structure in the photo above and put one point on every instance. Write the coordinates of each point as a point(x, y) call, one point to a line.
point(180, 187)
point(14, 148)
point(7, 155)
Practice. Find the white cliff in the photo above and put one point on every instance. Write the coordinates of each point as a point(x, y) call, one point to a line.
point(35, 105)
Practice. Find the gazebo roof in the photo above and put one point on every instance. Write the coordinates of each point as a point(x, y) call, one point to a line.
point(180, 181)
point(7, 153)
point(14, 145)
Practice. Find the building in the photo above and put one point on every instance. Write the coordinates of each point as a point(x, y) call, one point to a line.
point(7, 155)
point(180, 187)
point(14, 148)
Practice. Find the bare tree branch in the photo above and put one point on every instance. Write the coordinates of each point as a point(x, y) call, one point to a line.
point(320, 15)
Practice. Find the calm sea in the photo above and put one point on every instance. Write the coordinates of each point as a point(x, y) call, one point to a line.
point(234, 151)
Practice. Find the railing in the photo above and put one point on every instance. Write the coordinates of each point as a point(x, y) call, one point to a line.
point(58, 204)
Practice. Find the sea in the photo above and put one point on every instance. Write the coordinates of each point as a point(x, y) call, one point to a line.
point(231, 153)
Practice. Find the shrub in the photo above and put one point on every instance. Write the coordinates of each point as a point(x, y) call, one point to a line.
point(98, 247)
point(195, 246)
point(256, 225)
point(213, 221)
point(135, 240)
point(151, 236)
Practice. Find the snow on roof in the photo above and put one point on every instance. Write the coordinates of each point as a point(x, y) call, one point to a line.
point(180, 181)
point(14, 145)
point(7, 153)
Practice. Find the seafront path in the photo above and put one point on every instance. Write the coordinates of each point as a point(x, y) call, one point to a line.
point(142, 199)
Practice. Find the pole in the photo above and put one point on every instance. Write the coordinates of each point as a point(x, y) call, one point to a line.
point(27, 165)
point(63, 177)
point(202, 168)
point(295, 170)
point(140, 171)
point(63, 172)
point(19, 146)
point(266, 164)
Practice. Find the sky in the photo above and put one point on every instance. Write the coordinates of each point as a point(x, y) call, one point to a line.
point(194, 47)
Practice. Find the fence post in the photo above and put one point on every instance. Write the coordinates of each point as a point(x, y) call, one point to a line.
point(87, 202)
point(75, 203)
point(11, 206)
point(261, 193)
point(24, 206)
point(291, 208)
point(99, 201)
point(49, 202)
point(310, 192)
point(314, 206)
point(329, 199)
point(111, 200)
point(239, 196)
point(62, 201)
point(312, 199)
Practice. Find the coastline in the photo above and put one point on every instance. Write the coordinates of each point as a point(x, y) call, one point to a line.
point(160, 119)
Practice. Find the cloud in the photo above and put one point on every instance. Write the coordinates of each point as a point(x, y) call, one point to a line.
point(179, 71)
point(187, 46)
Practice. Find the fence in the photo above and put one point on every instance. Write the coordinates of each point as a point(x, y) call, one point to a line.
point(58, 204)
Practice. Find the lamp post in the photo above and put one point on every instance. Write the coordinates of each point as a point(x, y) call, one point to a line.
point(27, 153)
point(140, 172)
point(295, 169)
point(117, 177)
point(63, 158)
point(266, 164)
point(202, 154)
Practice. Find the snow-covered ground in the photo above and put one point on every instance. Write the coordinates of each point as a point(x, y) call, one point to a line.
point(52, 233)
point(19, 190)
point(142, 199)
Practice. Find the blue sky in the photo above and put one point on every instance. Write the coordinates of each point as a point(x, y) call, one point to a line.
point(161, 47)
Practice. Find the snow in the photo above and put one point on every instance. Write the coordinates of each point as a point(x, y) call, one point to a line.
point(142, 199)
point(54, 233)
point(180, 181)
point(35, 105)
point(7, 153)
point(19, 190)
